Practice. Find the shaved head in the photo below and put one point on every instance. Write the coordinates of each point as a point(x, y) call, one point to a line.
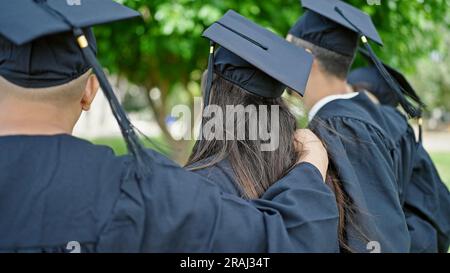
point(332, 63)
point(61, 94)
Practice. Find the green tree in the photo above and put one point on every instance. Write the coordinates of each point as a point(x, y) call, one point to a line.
point(165, 51)
point(432, 79)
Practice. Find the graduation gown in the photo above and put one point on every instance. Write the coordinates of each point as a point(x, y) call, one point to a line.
point(424, 196)
point(368, 164)
point(60, 189)
point(427, 206)
point(384, 171)
point(316, 231)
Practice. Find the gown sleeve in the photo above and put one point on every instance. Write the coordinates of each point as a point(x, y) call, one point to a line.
point(427, 207)
point(174, 210)
point(362, 157)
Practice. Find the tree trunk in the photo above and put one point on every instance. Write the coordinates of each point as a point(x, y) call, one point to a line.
point(179, 149)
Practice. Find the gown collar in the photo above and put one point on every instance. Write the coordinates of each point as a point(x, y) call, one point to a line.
point(324, 101)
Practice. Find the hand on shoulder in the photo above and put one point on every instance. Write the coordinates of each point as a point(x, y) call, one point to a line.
point(311, 149)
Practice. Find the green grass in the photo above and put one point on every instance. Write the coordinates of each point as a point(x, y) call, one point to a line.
point(117, 144)
point(442, 161)
point(120, 148)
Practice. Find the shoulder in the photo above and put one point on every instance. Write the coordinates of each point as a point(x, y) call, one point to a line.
point(356, 117)
point(96, 161)
point(360, 116)
point(396, 123)
point(69, 184)
point(359, 108)
point(221, 174)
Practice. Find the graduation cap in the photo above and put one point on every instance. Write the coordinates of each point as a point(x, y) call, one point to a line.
point(379, 86)
point(255, 58)
point(337, 26)
point(323, 26)
point(49, 42)
point(375, 83)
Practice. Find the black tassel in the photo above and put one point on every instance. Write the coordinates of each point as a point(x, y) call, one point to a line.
point(134, 145)
point(210, 75)
point(420, 124)
point(405, 86)
point(209, 82)
point(413, 112)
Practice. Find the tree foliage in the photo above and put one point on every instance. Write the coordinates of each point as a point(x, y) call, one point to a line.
point(165, 50)
point(166, 44)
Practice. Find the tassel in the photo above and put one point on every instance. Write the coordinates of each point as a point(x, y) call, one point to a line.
point(405, 86)
point(133, 143)
point(210, 74)
point(413, 112)
point(209, 82)
point(420, 124)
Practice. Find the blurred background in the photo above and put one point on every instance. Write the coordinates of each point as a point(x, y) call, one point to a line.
point(156, 63)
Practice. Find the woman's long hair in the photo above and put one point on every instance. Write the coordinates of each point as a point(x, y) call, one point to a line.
point(256, 170)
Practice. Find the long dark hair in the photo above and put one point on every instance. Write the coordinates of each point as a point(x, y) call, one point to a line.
point(256, 170)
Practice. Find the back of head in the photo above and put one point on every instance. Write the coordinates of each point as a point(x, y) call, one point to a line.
point(255, 169)
point(252, 68)
point(331, 63)
point(332, 45)
point(45, 62)
point(61, 95)
point(50, 69)
point(337, 26)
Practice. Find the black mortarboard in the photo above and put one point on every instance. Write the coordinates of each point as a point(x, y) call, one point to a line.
point(325, 33)
point(324, 25)
point(378, 85)
point(40, 39)
point(32, 55)
point(24, 20)
point(397, 76)
point(45, 62)
point(372, 80)
point(255, 58)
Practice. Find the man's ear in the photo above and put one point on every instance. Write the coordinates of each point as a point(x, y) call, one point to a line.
point(90, 92)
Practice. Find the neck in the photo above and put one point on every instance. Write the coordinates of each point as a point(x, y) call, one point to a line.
point(31, 118)
point(324, 86)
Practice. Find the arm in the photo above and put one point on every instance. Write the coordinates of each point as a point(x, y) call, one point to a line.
point(178, 211)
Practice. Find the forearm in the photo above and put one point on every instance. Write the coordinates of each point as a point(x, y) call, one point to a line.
point(186, 213)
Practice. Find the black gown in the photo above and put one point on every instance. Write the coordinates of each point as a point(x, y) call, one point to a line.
point(427, 207)
point(60, 189)
point(317, 232)
point(377, 159)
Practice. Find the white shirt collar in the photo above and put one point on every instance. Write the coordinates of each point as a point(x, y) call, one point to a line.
point(324, 101)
